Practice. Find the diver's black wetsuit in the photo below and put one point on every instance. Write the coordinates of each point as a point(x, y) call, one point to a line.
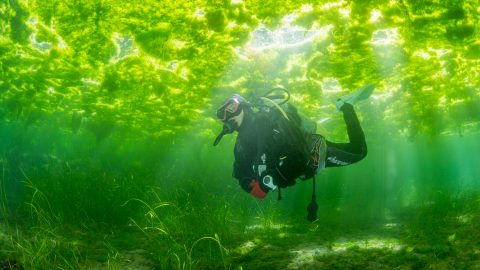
point(262, 148)
point(341, 154)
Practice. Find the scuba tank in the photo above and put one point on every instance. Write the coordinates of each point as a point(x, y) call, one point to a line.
point(278, 98)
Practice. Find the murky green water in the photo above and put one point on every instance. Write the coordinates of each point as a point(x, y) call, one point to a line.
point(107, 123)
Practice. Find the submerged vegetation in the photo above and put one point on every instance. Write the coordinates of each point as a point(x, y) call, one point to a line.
point(106, 127)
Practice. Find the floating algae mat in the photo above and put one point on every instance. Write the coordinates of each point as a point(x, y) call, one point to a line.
point(107, 119)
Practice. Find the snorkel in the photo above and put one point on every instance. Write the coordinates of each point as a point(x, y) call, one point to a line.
point(227, 129)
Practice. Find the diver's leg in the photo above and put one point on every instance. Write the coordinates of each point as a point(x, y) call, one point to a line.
point(341, 154)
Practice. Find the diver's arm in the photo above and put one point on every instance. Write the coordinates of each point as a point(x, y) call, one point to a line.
point(246, 179)
point(249, 167)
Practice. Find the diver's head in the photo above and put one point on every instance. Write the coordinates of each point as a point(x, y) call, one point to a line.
point(232, 112)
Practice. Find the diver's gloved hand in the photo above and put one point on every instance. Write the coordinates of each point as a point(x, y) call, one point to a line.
point(254, 187)
point(258, 189)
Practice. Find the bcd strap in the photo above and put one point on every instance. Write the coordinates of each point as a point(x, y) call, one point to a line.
point(274, 104)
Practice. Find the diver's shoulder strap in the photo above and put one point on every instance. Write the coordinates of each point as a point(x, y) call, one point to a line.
point(270, 103)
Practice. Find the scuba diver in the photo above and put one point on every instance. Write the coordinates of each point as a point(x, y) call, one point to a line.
point(274, 148)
